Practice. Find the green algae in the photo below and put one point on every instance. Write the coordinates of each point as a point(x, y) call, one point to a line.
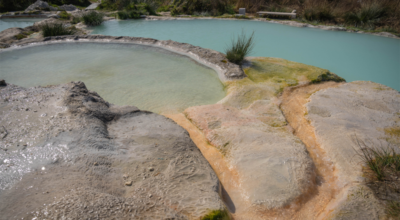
point(393, 132)
point(216, 215)
point(268, 77)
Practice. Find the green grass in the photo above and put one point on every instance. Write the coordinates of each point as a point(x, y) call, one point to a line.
point(216, 215)
point(393, 209)
point(64, 15)
point(93, 18)
point(384, 163)
point(56, 29)
point(76, 20)
point(240, 48)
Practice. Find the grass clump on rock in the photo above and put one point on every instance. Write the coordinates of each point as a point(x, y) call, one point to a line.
point(93, 18)
point(64, 15)
point(240, 48)
point(216, 215)
point(56, 29)
point(382, 171)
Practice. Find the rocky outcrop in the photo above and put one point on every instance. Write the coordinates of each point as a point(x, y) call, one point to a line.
point(67, 8)
point(11, 35)
point(40, 5)
point(77, 156)
point(226, 71)
point(273, 167)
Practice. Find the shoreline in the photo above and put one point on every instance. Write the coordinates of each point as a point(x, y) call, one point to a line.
point(283, 22)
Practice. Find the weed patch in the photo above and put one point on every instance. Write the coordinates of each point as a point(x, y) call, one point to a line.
point(240, 48)
point(93, 18)
point(56, 29)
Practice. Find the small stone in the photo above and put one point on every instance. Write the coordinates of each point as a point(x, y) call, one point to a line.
point(151, 169)
point(95, 164)
point(3, 82)
point(150, 196)
point(25, 145)
point(129, 183)
point(125, 176)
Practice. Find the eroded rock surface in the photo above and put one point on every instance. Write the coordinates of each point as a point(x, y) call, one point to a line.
point(70, 154)
point(273, 166)
point(344, 117)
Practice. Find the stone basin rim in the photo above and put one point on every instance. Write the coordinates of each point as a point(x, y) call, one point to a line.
point(215, 60)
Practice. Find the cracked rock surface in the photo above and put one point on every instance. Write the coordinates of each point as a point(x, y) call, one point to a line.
point(70, 154)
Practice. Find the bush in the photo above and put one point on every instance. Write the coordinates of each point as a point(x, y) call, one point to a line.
point(367, 15)
point(56, 29)
point(93, 18)
point(175, 11)
point(76, 20)
point(240, 48)
point(123, 15)
point(164, 8)
point(133, 14)
point(64, 15)
point(318, 14)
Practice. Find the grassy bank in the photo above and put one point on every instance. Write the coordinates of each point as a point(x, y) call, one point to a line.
point(20, 5)
point(371, 15)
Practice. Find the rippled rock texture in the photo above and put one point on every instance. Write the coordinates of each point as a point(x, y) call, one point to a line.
point(273, 166)
point(67, 153)
point(344, 117)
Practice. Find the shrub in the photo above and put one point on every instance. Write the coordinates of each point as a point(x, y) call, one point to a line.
point(64, 15)
point(122, 15)
point(133, 14)
point(367, 15)
point(240, 48)
point(93, 18)
point(318, 14)
point(76, 20)
point(56, 29)
point(164, 8)
point(175, 11)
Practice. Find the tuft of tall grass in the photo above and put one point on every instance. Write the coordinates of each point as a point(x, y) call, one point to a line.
point(56, 29)
point(93, 18)
point(383, 162)
point(240, 48)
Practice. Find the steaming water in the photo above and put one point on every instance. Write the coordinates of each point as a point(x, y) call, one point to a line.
point(17, 22)
point(350, 55)
point(124, 74)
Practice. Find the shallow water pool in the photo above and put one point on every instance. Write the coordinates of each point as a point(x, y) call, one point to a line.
point(350, 55)
point(124, 74)
point(6, 23)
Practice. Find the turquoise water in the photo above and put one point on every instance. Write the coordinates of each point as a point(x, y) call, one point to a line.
point(350, 55)
point(17, 22)
point(124, 74)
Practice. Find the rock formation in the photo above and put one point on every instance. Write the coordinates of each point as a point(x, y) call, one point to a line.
point(70, 154)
